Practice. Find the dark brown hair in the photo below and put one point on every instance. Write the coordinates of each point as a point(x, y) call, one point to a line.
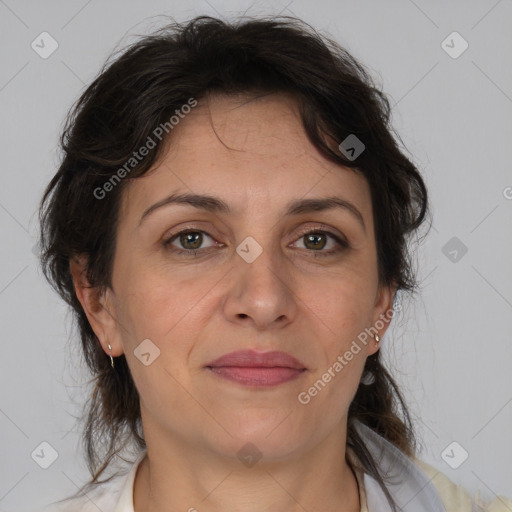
point(138, 91)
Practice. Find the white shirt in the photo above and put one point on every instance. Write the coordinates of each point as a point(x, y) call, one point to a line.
point(415, 486)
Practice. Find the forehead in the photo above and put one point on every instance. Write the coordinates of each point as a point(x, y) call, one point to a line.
point(252, 150)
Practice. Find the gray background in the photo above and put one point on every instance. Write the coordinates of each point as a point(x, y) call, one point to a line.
point(451, 352)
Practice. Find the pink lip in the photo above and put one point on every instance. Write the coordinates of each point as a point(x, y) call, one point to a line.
point(257, 368)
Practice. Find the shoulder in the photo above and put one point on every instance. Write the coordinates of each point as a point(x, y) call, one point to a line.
point(102, 497)
point(115, 493)
point(457, 499)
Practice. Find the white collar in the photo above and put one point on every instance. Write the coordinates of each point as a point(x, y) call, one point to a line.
point(408, 485)
point(125, 502)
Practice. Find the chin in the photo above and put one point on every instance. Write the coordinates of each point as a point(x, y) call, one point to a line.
point(271, 432)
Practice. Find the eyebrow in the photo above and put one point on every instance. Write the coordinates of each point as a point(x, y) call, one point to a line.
point(296, 207)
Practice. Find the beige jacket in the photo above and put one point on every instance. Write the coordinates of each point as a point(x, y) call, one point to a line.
point(454, 497)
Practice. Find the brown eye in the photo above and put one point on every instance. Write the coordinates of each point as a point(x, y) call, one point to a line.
point(189, 241)
point(315, 241)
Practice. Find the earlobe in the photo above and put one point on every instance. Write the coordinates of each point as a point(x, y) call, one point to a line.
point(94, 302)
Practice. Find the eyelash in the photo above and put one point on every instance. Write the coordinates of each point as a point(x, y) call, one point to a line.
point(342, 244)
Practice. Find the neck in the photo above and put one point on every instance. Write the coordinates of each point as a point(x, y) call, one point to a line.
point(180, 477)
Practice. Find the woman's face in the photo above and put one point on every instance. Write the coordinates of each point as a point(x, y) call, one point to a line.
point(244, 279)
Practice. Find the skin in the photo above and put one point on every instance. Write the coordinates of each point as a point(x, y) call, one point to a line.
point(197, 308)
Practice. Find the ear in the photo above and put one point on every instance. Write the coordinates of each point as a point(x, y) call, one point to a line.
point(97, 305)
point(382, 311)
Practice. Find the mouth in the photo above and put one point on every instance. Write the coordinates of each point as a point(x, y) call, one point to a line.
point(259, 369)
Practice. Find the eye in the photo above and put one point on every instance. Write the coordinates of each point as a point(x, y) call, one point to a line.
point(189, 240)
point(317, 239)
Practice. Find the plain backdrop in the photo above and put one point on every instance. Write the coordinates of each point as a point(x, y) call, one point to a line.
point(451, 350)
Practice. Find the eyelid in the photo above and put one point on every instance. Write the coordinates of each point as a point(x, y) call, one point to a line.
point(321, 227)
point(191, 227)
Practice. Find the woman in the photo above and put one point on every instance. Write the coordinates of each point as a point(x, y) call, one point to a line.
point(229, 224)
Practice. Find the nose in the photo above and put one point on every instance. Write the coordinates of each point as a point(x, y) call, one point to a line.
point(261, 292)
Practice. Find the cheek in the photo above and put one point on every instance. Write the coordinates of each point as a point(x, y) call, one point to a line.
point(342, 305)
point(342, 308)
point(168, 309)
point(160, 316)
point(155, 302)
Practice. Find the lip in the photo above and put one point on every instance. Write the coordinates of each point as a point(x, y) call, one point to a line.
point(254, 359)
point(253, 368)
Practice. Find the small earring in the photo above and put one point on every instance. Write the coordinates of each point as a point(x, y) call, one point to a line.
point(111, 360)
point(377, 339)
